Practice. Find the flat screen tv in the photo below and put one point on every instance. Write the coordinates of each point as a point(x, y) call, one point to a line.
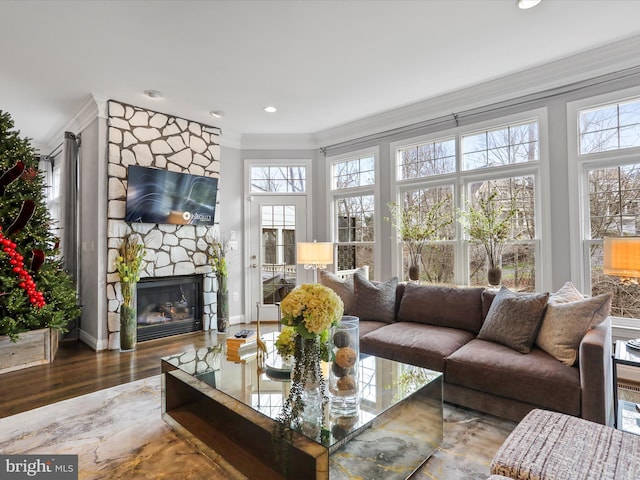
point(161, 196)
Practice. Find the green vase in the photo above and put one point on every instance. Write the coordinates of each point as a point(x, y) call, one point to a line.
point(128, 317)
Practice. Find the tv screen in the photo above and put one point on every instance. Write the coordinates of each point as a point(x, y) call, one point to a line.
point(161, 196)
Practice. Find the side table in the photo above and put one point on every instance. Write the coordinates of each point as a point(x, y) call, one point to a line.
point(627, 417)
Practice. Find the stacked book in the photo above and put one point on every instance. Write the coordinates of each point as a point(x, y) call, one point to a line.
point(241, 348)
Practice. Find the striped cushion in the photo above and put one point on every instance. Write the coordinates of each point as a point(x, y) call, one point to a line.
point(548, 445)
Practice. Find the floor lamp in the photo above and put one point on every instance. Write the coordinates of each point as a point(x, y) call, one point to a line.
point(315, 255)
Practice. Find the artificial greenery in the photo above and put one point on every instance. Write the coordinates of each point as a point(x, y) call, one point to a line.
point(416, 225)
point(26, 222)
point(308, 312)
point(488, 222)
point(129, 262)
point(217, 249)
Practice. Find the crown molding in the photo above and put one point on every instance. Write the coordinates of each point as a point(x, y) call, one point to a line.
point(95, 106)
point(565, 71)
point(259, 141)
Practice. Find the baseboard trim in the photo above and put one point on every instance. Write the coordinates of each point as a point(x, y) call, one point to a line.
point(93, 342)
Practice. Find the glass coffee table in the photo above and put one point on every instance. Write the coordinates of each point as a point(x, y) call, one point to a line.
point(227, 409)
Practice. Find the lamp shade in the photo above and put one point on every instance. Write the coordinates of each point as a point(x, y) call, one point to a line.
point(622, 256)
point(315, 253)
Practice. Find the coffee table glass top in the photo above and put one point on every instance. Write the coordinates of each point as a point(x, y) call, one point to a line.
point(383, 384)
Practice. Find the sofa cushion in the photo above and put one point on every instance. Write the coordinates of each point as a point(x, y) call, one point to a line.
point(374, 301)
point(367, 326)
point(342, 286)
point(567, 293)
point(535, 378)
point(444, 306)
point(417, 344)
point(514, 318)
point(564, 325)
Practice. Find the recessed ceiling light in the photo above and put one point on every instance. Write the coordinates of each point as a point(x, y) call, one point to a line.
point(153, 93)
point(216, 113)
point(526, 4)
point(270, 109)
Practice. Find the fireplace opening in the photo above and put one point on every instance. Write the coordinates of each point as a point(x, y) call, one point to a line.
point(169, 306)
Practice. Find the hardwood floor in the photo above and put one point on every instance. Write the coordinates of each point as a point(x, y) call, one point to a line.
point(77, 370)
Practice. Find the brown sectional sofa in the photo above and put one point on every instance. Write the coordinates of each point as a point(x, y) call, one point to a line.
point(437, 327)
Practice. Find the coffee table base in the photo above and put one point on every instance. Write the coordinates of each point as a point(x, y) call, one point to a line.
point(238, 437)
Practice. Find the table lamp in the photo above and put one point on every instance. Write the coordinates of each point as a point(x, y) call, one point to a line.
point(622, 258)
point(315, 255)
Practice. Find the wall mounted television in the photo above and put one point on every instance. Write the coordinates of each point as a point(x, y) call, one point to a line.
point(161, 196)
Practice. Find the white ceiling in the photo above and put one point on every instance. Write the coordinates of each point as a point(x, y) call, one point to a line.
point(322, 63)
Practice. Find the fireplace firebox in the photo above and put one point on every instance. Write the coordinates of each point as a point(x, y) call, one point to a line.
point(169, 306)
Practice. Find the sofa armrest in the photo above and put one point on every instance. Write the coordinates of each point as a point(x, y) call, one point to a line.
point(596, 375)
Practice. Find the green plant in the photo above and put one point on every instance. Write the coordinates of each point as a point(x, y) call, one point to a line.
point(416, 225)
point(488, 222)
point(27, 226)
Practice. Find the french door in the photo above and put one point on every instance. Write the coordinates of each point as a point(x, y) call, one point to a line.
point(277, 224)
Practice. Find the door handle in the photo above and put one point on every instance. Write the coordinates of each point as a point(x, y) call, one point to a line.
point(254, 265)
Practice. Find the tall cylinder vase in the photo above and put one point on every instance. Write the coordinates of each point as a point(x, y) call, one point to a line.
point(128, 317)
point(343, 375)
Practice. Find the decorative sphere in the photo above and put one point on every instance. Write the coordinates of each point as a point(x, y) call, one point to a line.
point(341, 339)
point(346, 357)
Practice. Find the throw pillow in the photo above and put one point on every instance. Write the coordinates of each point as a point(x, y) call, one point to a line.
point(374, 301)
point(342, 286)
point(514, 318)
point(568, 293)
point(564, 325)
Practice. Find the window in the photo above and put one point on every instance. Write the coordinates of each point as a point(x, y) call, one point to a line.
point(434, 208)
point(278, 179)
point(501, 146)
point(518, 256)
point(427, 159)
point(608, 144)
point(353, 173)
point(610, 127)
point(352, 180)
point(501, 158)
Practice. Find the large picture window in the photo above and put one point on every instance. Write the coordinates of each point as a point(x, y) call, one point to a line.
point(502, 159)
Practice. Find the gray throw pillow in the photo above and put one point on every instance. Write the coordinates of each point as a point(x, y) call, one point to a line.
point(514, 318)
point(342, 287)
point(374, 301)
point(564, 325)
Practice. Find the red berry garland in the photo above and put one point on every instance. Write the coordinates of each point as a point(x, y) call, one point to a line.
point(17, 263)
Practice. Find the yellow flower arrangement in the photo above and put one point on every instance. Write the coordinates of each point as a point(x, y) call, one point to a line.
point(308, 312)
point(311, 309)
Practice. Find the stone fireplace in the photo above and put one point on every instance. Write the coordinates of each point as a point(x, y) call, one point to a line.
point(146, 138)
point(169, 306)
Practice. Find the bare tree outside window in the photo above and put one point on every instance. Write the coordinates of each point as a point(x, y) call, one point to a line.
point(278, 179)
point(614, 210)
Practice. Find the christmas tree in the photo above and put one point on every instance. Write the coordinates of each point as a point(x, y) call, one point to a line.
point(35, 291)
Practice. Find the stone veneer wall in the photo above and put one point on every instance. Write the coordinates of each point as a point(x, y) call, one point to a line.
point(151, 139)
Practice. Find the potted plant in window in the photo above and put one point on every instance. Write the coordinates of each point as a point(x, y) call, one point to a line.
point(489, 222)
point(216, 252)
point(416, 225)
